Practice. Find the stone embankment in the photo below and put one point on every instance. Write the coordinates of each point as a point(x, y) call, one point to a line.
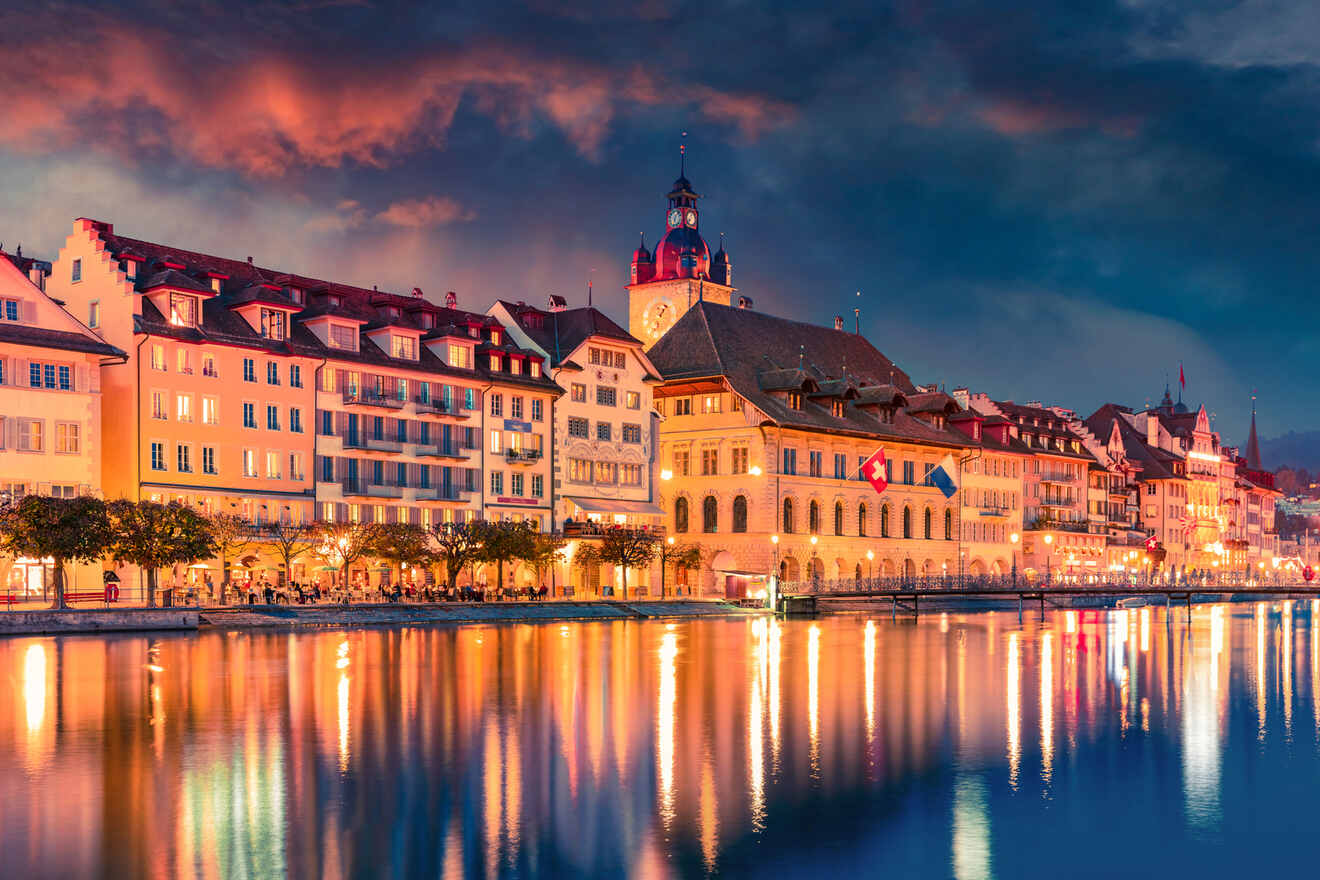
point(97, 620)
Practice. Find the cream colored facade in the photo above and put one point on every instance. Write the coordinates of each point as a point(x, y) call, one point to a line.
point(991, 512)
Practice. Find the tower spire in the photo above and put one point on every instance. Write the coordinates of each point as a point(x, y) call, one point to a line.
point(1253, 445)
point(682, 156)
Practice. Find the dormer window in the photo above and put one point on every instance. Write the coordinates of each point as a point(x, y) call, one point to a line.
point(183, 310)
point(536, 369)
point(794, 400)
point(404, 347)
point(391, 312)
point(495, 362)
point(332, 300)
point(215, 284)
point(836, 408)
point(295, 294)
point(976, 431)
point(343, 336)
point(494, 336)
point(459, 356)
point(515, 366)
point(274, 324)
point(428, 320)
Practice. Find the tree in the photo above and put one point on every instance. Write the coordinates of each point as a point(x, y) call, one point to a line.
point(501, 543)
point(542, 552)
point(402, 544)
point(679, 555)
point(628, 548)
point(585, 556)
point(292, 540)
point(233, 534)
point(152, 535)
point(65, 529)
point(343, 543)
point(455, 545)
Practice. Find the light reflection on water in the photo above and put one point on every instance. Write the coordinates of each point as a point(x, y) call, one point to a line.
point(971, 746)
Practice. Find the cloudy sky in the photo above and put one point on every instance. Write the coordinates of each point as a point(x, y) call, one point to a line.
point(1054, 201)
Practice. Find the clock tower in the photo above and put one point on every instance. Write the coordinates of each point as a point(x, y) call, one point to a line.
point(664, 285)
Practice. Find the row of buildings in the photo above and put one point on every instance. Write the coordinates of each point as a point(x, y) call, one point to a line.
point(144, 370)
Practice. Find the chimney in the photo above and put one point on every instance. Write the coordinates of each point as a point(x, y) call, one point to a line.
point(417, 292)
point(963, 396)
point(249, 259)
point(744, 302)
point(556, 303)
point(838, 322)
point(451, 300)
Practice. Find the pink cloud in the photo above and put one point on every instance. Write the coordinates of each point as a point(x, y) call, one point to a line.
point(263, 112)
point(430, 211)
point(1021, 117)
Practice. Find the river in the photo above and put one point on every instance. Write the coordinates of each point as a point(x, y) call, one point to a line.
point(1084, 743)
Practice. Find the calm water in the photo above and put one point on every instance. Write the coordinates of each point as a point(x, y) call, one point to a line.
point(1085, 744)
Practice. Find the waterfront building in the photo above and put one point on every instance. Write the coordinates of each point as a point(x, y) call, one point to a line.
point(605, 431)
point(50, 409)
point(991, 491)
point(280, 396)
point(761, 448)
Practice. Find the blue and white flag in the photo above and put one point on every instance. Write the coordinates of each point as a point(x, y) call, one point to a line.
point(945, 476)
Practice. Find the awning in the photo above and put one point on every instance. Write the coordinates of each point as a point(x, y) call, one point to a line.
point(615, 505)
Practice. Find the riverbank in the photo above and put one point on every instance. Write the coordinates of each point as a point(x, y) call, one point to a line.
point(953, 603)
point(94, 620)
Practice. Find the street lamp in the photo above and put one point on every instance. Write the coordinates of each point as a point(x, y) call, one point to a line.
point(870, 558)
point(754, 470)
point(666, 552)
point(1013, 540)
point(1049, 539)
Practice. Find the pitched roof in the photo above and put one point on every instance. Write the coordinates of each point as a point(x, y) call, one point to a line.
point(759, 355)
point(63, 340)
point(560, 333)
point(1155, 463)
point(1041, 422)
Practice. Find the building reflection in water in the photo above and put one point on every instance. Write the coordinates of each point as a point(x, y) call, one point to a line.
point(604, 749)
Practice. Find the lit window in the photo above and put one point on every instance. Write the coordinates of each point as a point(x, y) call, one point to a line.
point(183, 310)
point(404, 347)
point(458, 356)
point(68, 438)
point(274, 324)
point(342, 336)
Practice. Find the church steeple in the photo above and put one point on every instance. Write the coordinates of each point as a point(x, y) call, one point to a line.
point(1253, 445)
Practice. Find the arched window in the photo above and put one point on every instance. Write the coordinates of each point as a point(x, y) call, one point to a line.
point(788, 516)
point(907, 522)
point(710, 514)
point(838, 517)
point(740, 513)
point(884, 520)
point(948, 524)
point(861, 520)
point(813, 518)
point(680, 515)
point(925, 524)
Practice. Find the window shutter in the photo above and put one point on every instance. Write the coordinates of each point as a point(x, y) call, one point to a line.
point(82, 382)
point(20, 373)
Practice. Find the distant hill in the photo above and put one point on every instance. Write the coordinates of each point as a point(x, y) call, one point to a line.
point(1294, 449)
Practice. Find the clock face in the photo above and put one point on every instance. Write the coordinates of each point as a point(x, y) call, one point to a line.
point(658, 317)
point(675, 217)
point(692, 218)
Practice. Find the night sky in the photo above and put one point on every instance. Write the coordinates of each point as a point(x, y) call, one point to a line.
point(1055, 201)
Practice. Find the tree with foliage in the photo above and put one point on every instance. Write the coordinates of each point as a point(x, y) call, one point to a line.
point(342, 544)
point(543, 552)
point(679, 555)
point(233, 534)
point(65, 529)
point(628, 549)
point(502, 543)
point(402, 544)
point(586, 555)
point(291, 541)
point(152, 535)
point(455, 545)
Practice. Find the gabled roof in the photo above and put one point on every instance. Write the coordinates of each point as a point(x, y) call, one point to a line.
point(175, 280)
point(1155, 463)
point(560, 333)
point(14, 281)
point(760, 356)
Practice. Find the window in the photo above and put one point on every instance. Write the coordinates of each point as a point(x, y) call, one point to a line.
point(184, 457)
point(158, 405)
point(813, 517)
point(795, 400)
point(788, 516)
point(606, 395)
point(403, 347)
point(838, 517)
point(607, 473)
point(208, 366)
point(907, 522)
point(577, 427)
point(183, 405)
point(632, 433)
point(158, 357)
point(816, 462)
point(739, 459)
point(790, 461)
point(68, 437)
point(516, 407)
point(249, 462)
point(909, 473)
point(249, 415)
point(495, 442)
point(272, 417)
point(538, 485)
point(840, 466)
point(497, 404)
point(343, 336)
point(183, 359)
point(497, 482)
point(295, 466)
point(632, 400)
point(469, 398)
point(295, 376)
point(295, 420)
point(680, 515)
point(272, 373)
point(183, 310)
point(94, 314)
point(710, 461)
point(579, 470)
point(157, 455)
point(273, 461)
point(630, 475)
point(861, 520)
point(274, 324)
point(210, 411)
point(77, 271)
point(536, 410)
point(884, 520)
point(682, 406)
point(603, 431)
point(249, 370)
point(494, 363)
point(740, 513)
point(208, 460)
point(682, 462)
point(948, 525)
point(925, 524)
point(710, 514)
point(710, 403)
point(459, 356)
point(10, 310)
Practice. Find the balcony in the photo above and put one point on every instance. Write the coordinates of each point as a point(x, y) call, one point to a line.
point(990, 510)
point(1047, 525)
point(440, 450)
point(373, 444)
point(1062, 478)
point(361, 488)
point(452, 494)
point(589, 529)
point(371, 399)
point(433, 407)
point(522, 456)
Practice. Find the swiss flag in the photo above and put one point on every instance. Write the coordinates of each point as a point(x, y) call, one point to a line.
point(874, 471)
